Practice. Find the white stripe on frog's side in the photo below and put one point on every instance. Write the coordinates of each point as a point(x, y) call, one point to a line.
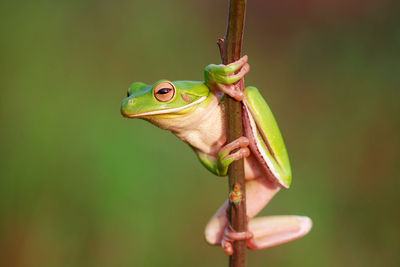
point(167, 111)
point(255, 139)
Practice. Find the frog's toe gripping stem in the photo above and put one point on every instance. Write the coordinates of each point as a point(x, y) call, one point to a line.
point(223, 77)
point(232, 90)
point(227, 83)
point(225, 158)
point(230, 236)
point(233, 78)
point(225, 70)
point(241, 142)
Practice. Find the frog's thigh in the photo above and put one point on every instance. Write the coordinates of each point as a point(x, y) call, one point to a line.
point(275, 230)
point(252, 168)
point(258, 193)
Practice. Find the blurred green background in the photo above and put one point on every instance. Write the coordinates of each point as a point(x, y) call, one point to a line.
point(82, 186)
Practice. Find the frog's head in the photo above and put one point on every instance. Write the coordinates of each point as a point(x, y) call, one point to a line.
point(163, 98)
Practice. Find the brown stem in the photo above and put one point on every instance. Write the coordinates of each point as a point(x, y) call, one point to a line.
point(230, 49)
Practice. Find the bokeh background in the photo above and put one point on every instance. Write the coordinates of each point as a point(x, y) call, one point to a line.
point(82, 186)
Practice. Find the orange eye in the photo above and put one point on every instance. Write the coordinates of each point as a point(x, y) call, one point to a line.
point(164, 91)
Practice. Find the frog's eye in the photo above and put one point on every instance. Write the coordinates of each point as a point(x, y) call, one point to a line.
point(164, 91)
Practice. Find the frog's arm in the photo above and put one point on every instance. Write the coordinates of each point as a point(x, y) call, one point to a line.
point(219, 164)
point(222, 77)
point(210, 163)
point(268, 144)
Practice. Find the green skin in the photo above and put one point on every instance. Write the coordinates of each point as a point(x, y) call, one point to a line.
point(142, 103)
point(194, 112)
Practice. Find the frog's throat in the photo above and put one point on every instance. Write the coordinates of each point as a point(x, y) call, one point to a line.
point(167, 111)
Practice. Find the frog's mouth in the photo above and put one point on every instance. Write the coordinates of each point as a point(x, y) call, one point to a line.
point(163, 111)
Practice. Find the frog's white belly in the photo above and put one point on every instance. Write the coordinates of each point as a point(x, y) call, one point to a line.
point(205, 129)
point(202, 126)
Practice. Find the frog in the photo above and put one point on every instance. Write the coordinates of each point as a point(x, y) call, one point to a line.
point(194, 112)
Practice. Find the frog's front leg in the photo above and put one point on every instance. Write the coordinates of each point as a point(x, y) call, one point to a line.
point(224, 77)
point(226, 156)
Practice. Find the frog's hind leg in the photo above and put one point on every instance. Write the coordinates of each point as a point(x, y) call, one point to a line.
point(275, 230)
point(266, 231)
point(258, 193)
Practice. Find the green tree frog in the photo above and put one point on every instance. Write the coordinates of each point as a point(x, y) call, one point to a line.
point(193, 111)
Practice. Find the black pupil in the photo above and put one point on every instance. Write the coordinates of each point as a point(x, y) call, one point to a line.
point(164, 91)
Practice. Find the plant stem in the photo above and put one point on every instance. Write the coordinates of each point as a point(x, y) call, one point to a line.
point(230, 49)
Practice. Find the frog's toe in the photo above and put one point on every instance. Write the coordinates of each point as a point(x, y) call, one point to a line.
point(231, 68)
point(236, 65)
point(240, 154)
point(242, 72)
point(241, 142)
point(230, 236)
point(231, 90)
point(231, 77)
point(233, 235)
point(225, 157)
point(227, 247)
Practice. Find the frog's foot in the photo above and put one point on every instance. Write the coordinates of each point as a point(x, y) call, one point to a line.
point(230, 236)
point(225, 157)
point(224, 77)
point(275, 230)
